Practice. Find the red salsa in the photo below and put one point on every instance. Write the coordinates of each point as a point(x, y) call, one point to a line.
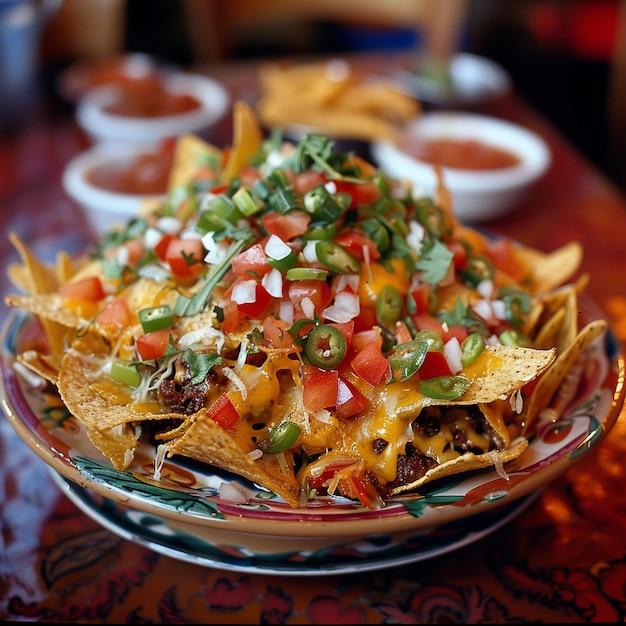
point(466, 154)
point(147, 174)
point(148, 97)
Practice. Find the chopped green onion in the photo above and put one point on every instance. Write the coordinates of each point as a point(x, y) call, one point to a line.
point(125, 373)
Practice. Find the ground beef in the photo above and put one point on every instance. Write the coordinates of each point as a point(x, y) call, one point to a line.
point(178, 393)
point(411, 466)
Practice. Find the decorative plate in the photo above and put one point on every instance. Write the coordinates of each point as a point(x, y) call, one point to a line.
point(264, 529)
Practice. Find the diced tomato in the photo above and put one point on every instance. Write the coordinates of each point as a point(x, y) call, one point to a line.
point(459, 260)
point(185, 256)
point(421, 298)
point(135, 250)
point(161, 248)
point(371, 365)
point(287, 225)
point(434, 364)
point(248, 176)
point(350, 401)
point(319, 388)
point(402, 332)
point(153, 345)
point(455, 330)
point(346, 329)
point(231, 317)
point(254, 310)
point(276, 333)
point(366, 319)
point(365, 492)
point(362, 338)
point(354, 241)
point(223, 412)
point(307, 180)
point(317, 291)
point(362, 193)
point(89, 289)
point(252, 262)
point(426, 321)
point(116, 313)
point(502, 252)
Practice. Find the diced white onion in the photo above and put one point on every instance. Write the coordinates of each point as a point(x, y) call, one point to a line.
point(308, 307)
point(483, 309)
point(452, 352)
point(232, 493)
point(309, 253)
point(345, 307)
point(154, 271)
point(499, 309)
point(331, 187)
point(217, 251)
point(151, 238)
point(168, 224)
point(286, 312)
point(244, 292)
point(122, 255)
point(415, 236)
point(485, 288)
point(190, 233)
point(273, 283)
point(276, 248)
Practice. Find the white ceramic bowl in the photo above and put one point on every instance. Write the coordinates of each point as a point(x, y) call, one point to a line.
point(101, 125)
point(473, 80)
point(477, 195)
point(104, 209)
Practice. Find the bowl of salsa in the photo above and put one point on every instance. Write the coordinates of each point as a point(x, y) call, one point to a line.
point(111, 182)
point(488, 164)
point(146, 107)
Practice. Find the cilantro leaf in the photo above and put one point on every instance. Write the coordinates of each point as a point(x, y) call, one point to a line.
point(434, 262)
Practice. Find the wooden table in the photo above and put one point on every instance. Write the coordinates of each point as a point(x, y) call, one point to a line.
point(563, 559)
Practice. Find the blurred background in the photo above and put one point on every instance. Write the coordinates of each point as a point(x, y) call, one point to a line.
point(566, 57)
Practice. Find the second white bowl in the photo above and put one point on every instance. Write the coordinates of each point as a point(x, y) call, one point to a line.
point(477, 194)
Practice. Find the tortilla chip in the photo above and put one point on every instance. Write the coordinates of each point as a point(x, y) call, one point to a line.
point(465, 463)
point(551, 380)
point(205, 440)
point(549, 270)
point(246, 142)
point(190, 152)
point(100, 403)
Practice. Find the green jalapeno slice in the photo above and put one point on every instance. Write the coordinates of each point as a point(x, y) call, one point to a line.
point(444, 387)
point(388, 306)
point(282, 437)
point(336, 258)
point(406, 359)
point(477, 269)
point(514, 337)
point(326, 346)
point(471, 348)
point(156, 318)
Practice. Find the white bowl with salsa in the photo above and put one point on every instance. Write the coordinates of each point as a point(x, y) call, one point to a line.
point(152, 106)
point(488, 164)
point(111, 182)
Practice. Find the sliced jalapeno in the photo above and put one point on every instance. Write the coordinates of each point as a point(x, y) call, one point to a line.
point(282, 437)
point(306, 273)
point(336, 258)
point(326, 346)
point(516, 304)
point(388, 306)
point(444, 387)
point(156, 318)
point(406, 359)
point(477, 269)
point(432, 218)
point(471, 348)
point(432, 339)
point(285, 264)
point(513, 337)
point(125, 373)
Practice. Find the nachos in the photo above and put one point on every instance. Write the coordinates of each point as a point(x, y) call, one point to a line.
point(293, 316)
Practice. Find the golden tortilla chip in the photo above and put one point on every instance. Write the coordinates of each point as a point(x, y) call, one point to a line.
point(552, 269)
point(549, 383)
point(191, 152)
